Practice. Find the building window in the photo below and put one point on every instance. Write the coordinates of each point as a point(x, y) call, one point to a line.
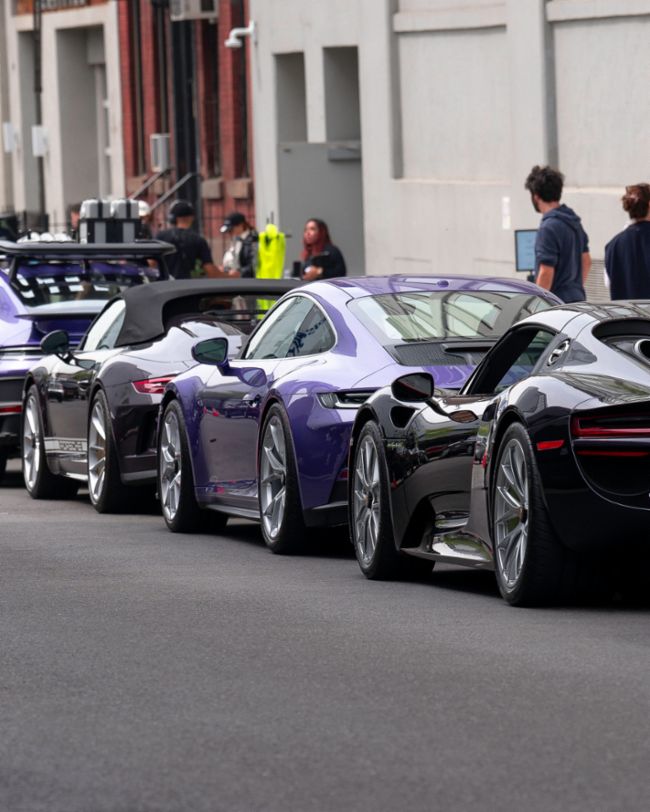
point(211, 121)
point(135, 47)
point(242, 160)
point(161, 45)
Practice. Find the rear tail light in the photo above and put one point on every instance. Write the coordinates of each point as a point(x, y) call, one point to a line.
point(152, 386)
point(11, 408)
point(612, 435)
point(550, 445)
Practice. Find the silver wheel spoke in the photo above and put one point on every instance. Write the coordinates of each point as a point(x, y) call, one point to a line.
point(97, 434)
point(32, 443)
point(273, 477)
point(366, 500)
point(511, 513)
point(513, 503)
point(170, 466)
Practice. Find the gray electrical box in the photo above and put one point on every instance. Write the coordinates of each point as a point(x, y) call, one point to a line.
point(160, 152)
point(180, 10)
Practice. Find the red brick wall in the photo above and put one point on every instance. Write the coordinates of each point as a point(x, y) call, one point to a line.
point(27, 6)
point(126, 75)
point(232, 187)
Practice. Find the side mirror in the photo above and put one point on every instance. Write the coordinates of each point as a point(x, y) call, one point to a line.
point(418, 388)
point(56, 343)
point(414, 388)
point(212, 351)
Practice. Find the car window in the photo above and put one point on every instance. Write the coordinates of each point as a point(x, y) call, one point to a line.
point(103, 332)
point(297, 327)
point(314, 335)
point(512, 360)
point(396, 318)
point(277, 332)
point(43, 283)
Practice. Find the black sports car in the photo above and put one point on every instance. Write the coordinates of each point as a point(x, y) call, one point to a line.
point(538, 468)
point(90, 414)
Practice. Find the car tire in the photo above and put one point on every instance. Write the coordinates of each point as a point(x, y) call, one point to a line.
point(3, 466)
point(532, 567)
point(371, 527)
point(281, 516)
point(40, 482)
point(180, 509)
point(107, 492)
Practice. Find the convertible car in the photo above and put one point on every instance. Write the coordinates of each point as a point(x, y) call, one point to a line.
point(539, 468)
point(266, 436)
point(90, 413)
point(45, 285)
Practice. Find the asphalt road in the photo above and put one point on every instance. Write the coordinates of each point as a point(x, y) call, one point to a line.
point(142, 671)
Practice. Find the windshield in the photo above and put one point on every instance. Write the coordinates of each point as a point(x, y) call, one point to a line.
point(439, 315)
point(45, 283)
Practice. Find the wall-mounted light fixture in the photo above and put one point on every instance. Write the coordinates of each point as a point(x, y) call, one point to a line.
point(236, 34)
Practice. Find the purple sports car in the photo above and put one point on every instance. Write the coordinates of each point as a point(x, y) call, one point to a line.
point(265, 436)
point(45, 286)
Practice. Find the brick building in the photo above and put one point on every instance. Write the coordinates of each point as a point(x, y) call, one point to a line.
point(114, 72)
point(179, 79)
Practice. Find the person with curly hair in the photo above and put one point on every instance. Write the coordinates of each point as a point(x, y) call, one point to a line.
point(562, 259)
point(627, 255)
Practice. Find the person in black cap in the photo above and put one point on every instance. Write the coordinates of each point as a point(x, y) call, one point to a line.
point(193, 254)
point(240, 258)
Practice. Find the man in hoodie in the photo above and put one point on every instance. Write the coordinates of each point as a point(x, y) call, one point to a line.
point(562, 257)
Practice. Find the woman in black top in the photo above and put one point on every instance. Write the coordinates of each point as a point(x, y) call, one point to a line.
point(627, 255)
point(319, 259)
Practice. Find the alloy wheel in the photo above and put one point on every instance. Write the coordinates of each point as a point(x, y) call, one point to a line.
point(170, 466)
point(32, 442)
point(273, 477)
point(97, 433)
point(511, 513)
point(366, 500)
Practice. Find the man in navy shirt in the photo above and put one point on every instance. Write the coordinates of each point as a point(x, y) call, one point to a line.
point(562, 259)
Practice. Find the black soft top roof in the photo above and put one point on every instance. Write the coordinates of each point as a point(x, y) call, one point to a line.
point(145, 304)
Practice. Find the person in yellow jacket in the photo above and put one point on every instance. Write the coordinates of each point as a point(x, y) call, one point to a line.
point(270, 253)
point(270, 258)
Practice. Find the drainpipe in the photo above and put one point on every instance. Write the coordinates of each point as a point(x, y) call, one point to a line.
point(38, 92)
point(185, 130)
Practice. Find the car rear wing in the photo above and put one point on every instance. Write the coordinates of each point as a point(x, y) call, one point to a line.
point(78, 252)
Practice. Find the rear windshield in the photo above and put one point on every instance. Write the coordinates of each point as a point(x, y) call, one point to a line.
point(398, 318)
point(244, 312)
point(43, 283)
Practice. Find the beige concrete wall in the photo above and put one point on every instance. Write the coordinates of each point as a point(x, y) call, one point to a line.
point(65, 138)
point(458, 101)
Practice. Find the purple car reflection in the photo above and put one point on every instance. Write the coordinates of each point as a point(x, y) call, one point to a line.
point(265, 436)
